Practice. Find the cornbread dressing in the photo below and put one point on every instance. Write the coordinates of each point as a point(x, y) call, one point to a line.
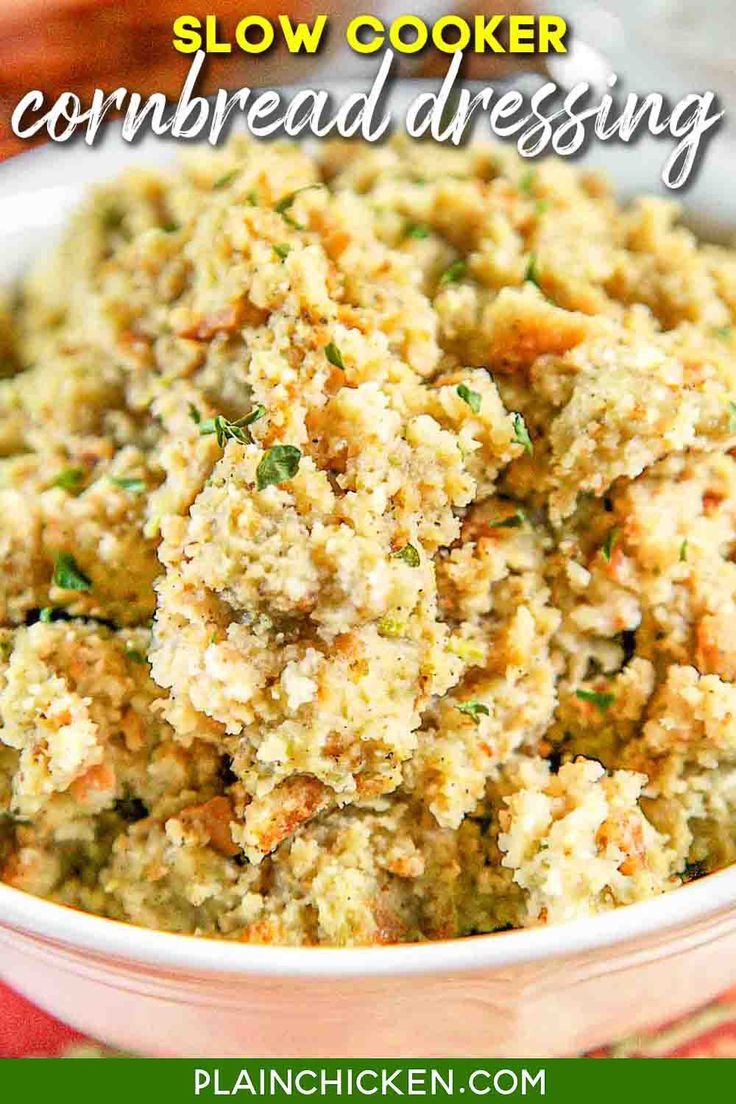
point(367, 549)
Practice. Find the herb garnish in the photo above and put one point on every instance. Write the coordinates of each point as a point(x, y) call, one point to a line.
point(683, 551)
point(527, 181)
point(600, 699)
point(474, 709)
point(513, 521)
point(732, 417)
point(282, 250)
point(334, 355)
point(531, 276)
point(609, 544)
point(225, 430)
point(69, 479)
point(284, 205)
point(416, 230)
point(223, 181)
point(135, 486)
point(454, 273)
point(279, 463)
point(46, 615)
point(472, 398)
point(521, 434)
point(134, 655)
point(68, 575)
point(408, 554)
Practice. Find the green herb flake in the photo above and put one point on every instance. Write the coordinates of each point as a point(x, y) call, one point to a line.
point(454, 274)
point(194, 414)
point(68, 575)
point(408, 554)
point(227, 178)
point(225, 430)
point(531, 276)
point(732, 417)
point(170, 227)
point(134, 655)
point(251, 199)
point(282, 250)
point(474, 709)
point(279, 463)
point(601, 700)
point(70, 479)
point(472, 398)
point(513, 521)
point(724, 332)
point(683, 552)
point(135, 486)
point(284, 205)
point(334, 356)
point(521, 434)
point(609, 544)
point(527, 181)
point(416, 230)
point(46, 615)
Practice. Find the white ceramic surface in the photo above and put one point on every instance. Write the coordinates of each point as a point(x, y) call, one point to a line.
point(535, 993)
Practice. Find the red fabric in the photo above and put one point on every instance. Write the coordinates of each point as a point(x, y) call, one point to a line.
point(25, 1031)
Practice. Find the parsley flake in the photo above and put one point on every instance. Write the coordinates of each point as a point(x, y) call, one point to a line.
point(521, 434)
point(134, 655)
point(279, 463)
point(600, 699)
point(68, 575)
point(454, 274)
point(416, 230)
point(531, 276)
point(225, 430)
point(474, 709)
point(135, 486)
point(284, 205)
point(46, 615)
point(227, 178)
point(194, 414)
point(527, 181)
point(472, 398)
point(282, 250)
point(334, 355)
point(609, 544)
point(513, 521)
point(683, 552)
point(408, 554)
point(69, 479)
point(732, 417)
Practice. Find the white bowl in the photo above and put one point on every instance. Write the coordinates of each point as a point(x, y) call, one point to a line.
point(545, 991)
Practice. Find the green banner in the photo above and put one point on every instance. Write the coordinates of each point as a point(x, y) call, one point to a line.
point(169, 1081)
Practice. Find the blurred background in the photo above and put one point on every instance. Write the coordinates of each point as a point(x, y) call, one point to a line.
point(57, 45)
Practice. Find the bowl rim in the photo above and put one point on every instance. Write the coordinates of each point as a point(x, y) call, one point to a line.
point(98, 935)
